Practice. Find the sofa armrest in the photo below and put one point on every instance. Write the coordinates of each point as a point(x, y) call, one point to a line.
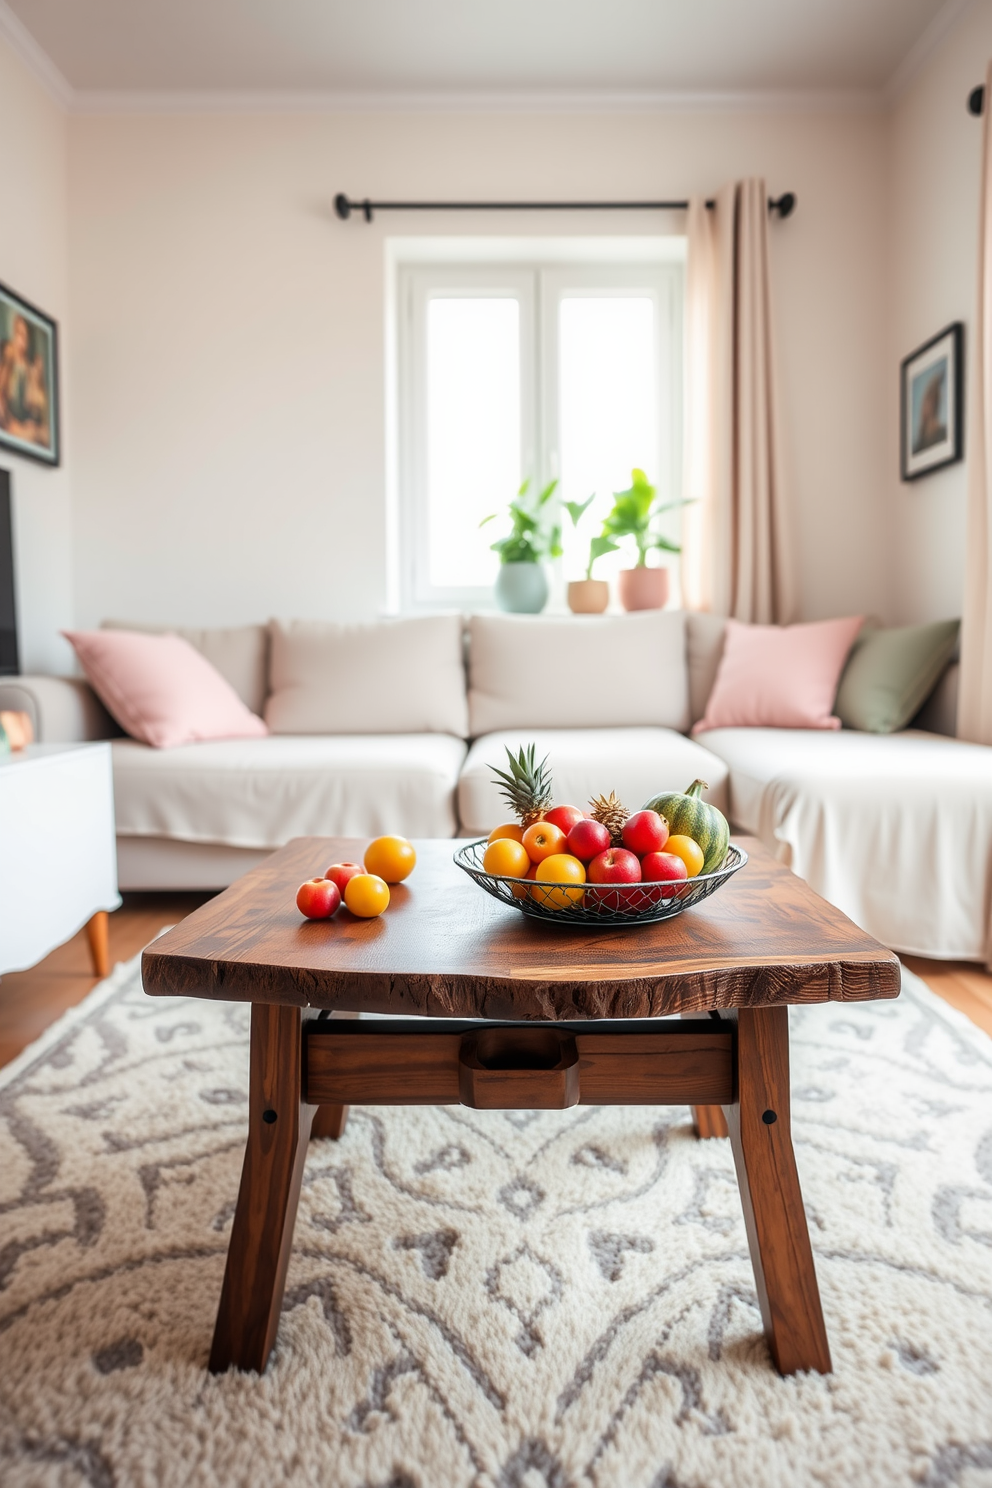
point(62, 710)
point(939, 714)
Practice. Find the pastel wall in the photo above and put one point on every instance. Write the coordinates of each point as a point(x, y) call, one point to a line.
point(33, 262)
point(934, 171)
point(228, 349)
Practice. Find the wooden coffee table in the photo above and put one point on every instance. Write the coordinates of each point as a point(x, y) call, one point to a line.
point(570, 1015)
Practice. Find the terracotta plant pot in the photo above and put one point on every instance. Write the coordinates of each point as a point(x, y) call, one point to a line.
point(588, 596)
point(643, 588)
point(522, 588)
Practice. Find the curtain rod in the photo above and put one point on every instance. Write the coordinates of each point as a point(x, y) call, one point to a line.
point(976, 100)
point(784, 205)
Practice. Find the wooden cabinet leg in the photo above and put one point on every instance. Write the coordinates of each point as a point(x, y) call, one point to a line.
point(761, 1136)
point(330, 1121)
point(709, 1121)
point(262, 1235)
point(98, 935)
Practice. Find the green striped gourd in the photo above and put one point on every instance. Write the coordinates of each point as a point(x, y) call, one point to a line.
point(689, 815)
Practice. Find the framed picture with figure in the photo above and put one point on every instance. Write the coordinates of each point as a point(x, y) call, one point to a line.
point(932, 403)
point(29, 379)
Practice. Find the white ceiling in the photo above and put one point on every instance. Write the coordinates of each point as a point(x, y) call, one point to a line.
point(409, 46)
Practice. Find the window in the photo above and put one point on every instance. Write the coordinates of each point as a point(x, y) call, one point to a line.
point(512, 371)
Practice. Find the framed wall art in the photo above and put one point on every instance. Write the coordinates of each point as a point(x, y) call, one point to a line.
point(29, 380)
point(932, 403)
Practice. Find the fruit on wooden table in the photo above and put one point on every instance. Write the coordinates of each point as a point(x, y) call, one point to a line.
point(366, 895)
point(663, 867)
point(318, 898)
point(644, 832)
point(588, 839)
point(559, 868)
point(616, 865)
point(611, 811)
point(339, 873)
point(390, 858)
point(688, 850)
point(509, 829)
point(506, 859)
point(542, 839)
point(564, 817)
point(526, 786)
point(688, 815)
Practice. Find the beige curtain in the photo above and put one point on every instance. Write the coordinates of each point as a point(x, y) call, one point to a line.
point(737, 541)
point(975, 690)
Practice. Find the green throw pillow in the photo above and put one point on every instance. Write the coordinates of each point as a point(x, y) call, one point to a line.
point(891, 673)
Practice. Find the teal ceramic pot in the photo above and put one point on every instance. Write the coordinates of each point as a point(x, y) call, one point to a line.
point(522, 588)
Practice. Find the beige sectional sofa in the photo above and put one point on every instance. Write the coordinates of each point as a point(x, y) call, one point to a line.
point(395, 727)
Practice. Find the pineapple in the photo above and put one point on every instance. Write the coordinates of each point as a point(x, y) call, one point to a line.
point(526, 786)
point(612, 813)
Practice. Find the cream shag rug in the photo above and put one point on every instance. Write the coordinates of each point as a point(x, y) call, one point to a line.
point(519, 1300)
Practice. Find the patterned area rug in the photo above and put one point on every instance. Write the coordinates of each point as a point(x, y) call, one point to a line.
point(518, 1300)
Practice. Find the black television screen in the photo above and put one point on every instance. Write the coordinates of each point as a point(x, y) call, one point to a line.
point(9, 665)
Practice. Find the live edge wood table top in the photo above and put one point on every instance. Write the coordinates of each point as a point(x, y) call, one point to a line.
point(569, 1015)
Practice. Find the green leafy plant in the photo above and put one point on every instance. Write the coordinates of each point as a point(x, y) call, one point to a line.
point(634, 514)
point(534, 534)
point(599, 545)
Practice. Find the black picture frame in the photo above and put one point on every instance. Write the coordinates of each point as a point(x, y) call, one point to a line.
point(33, 429)
point(9, 658)
point(931, 404)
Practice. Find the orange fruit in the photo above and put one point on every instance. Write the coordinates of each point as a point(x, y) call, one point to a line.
point(506, 858)
point(689, 851)
point(520, 891)
point(513, 830)
point(366, 895)
point(541, 839)
point(391, 858)
point(559, 868)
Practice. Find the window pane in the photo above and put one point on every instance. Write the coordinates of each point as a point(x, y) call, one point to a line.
point(608, 411)
point(473, 432)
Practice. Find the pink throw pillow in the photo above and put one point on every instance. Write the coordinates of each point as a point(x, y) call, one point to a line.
point(160, 689)
point(779, 676)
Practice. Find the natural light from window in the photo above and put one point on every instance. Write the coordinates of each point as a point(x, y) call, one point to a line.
point(473, 432)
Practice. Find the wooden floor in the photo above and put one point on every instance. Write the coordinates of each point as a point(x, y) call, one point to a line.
point(31, 1000)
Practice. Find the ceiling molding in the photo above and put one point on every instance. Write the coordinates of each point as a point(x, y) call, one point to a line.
point(923, 49)
point(479, 101)
point(35, 59)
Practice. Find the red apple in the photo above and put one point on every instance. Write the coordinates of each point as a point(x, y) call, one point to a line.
point(615, 865)
point(318, 898)
point(564, 817)
point(645, 832)
point(662, 867)
point(342, 873)
point(588, 839)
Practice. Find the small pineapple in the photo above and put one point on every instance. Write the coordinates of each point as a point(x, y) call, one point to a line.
point(612, 813)
point(526, 786)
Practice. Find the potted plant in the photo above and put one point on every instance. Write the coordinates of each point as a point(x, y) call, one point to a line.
point(633, 515)
point(522, 585)
point(589, 596)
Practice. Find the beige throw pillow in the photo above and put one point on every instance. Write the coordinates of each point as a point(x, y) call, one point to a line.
point(579, 671)
point(390, 677)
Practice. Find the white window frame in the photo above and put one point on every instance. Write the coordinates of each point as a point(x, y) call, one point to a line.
point(538, 285)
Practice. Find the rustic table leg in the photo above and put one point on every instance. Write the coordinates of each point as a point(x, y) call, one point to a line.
point(330, 1121)
point(761, 1136)
point(262, 1235)
point(709, 1121)
point(98, 935)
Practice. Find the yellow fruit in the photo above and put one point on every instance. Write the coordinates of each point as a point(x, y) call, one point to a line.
point(391, 858)
point(506, 858)
point(690, 852)
point(366, 895)
point(513, 830)
point(559, 868)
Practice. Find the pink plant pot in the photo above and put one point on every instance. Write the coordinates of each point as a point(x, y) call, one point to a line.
point(588, 596)
point(643, 588)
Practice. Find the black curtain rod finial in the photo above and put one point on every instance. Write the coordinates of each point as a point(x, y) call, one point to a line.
point(784, 205)
point(976, 101)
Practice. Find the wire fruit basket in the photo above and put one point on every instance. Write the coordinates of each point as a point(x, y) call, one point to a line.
point(597, 905)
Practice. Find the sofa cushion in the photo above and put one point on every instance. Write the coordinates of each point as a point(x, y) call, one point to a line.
point(704, 635)
point(580, 671)
point(239, 652)
point(890, 674)
point(892, 828)
point(262, 792)
point(391, 677)
point(637, 763)
point(780, 676)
